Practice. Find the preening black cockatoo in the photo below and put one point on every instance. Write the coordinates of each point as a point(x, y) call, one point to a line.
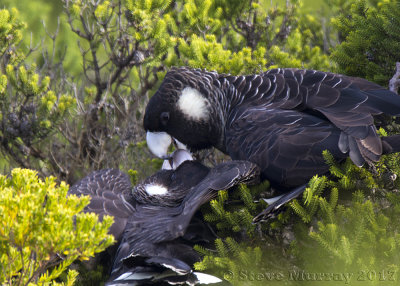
point(282, 119)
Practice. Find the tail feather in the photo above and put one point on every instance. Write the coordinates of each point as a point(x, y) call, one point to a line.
point(276, 206)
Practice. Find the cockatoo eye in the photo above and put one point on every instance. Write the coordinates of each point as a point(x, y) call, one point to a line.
point(164, 118)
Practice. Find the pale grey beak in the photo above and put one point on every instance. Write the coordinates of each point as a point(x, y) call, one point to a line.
point(158, 143)
point(177, 158)
point(179, 145)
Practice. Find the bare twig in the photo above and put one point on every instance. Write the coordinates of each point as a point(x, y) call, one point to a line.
point(394, 82)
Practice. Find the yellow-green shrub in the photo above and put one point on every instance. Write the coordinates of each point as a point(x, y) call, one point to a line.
point(42, 230)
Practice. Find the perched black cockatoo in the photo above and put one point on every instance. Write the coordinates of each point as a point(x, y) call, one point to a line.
point(154, 221)
point(282, 119)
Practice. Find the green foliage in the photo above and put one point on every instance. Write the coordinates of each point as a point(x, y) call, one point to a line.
point(372, 42)
point(43, 230)
point(360, 236)
point(234, 217)
point(244, 257)
point(96, 276)
point(150, 24)
point(241, 249)
point(255, 36)
point(46, 26)
point(67, 115)
point(81, 120)
point(347, 223)
point(30, 110)
point(211, 54)
point(10, 33)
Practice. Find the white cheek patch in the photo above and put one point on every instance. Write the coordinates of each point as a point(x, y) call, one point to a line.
point(193, 104)
point(153, 190)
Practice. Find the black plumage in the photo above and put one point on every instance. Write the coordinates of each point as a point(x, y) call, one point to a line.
point(159, 230)
point(110, 192)
point(281, 119)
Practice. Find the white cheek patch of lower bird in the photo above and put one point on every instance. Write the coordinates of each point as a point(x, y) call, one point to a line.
point(156, 190)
